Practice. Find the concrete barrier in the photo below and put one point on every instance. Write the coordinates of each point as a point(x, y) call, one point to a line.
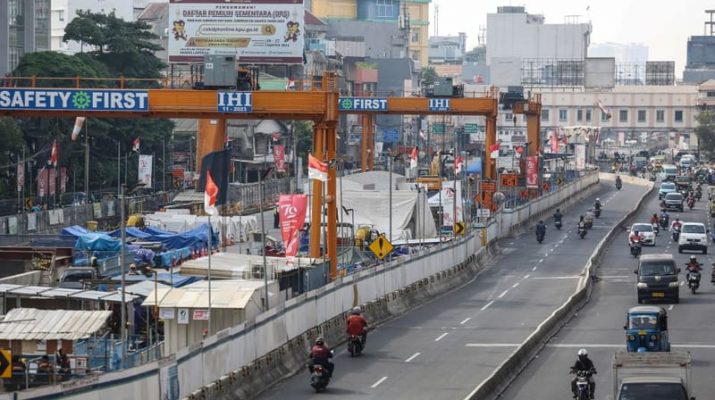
point(510, 368)
point(244, 360)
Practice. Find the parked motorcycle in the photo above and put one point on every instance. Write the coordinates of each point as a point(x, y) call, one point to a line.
point(693, 281)
point(582, 385)
point(355, 345)
point(636, 248)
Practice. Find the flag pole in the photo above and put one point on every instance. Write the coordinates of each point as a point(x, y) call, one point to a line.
point(209, 275)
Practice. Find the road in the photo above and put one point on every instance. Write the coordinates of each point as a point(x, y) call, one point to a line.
point(445, 348)
point(599, 325)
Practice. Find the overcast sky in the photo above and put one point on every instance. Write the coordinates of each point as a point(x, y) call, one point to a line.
point(662, 25)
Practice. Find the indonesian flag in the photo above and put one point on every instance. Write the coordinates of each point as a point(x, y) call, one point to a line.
point(135, 145)
point(317, 169)
point(605, 111)
point(494, 150)
point(55, 154)
point(78, 122)
point(413, 158)
point(458, 164)
point(519, 151)
point(210, 194)
point(290, 85)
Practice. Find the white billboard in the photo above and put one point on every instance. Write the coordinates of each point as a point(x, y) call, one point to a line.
point(256, 31)
point(580, 150)
point(145, 170)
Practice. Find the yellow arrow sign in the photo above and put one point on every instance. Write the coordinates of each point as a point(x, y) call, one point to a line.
point(381, 247)
point(459, 228)
point(5, 364)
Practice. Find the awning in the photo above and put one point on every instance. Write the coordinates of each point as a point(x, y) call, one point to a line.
point(34, 324)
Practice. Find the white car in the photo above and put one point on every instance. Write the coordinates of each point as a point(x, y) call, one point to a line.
point(646, 233)
point(693, 236)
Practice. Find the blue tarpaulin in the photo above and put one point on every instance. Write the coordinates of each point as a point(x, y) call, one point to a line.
point(475, 167)
point(74, 230)
point(97, 242)
point(196, 238)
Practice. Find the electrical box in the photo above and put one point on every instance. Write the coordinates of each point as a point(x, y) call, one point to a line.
point(443, 87)
point(219, 71)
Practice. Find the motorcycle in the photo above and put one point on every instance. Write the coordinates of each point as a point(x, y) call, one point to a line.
point(676, 234)
point(597, 213)
point(656, 228)
point(664, 222)
point(557, 223)
point(618, 185)
point(636, 249)
point(693, 281)
point(698, 195)
point(319, 378)
point(582, 385)
point(588, 223)
point(539, 237)
point(691, 203)
point(355, 345)
point(582, 231)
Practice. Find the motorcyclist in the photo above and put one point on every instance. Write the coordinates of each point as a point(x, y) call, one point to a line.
point(618, 182)
point(540, 229)
point(693, 265)
point(664, 216)
point(581, 223)
point(557, 215)
point(588, 218)
point(320, 354)
point(633, 238)
point(676, 225)
point(597, 206)
point(584, 364)
point(654, 219)
point(357, 325)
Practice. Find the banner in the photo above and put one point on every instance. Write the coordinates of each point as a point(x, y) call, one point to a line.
point(448, 199)
point(256, 31)
point(20, 176)
point(580, 156)
point(145, 165)
point(279, 152)
point(291, 212)
point(53, 181)
point(63, 180)
point(554, 141)
point(42, 182)
point(532, 171)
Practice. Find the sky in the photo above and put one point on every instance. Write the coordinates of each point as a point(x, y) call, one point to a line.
point(662, 25)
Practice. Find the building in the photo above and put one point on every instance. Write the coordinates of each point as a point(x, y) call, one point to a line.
point(517, 41)
point(447, 49)
point(630, 59)
point(700, 65)
point(156, 15)
point(408, 20)
point(24, 28)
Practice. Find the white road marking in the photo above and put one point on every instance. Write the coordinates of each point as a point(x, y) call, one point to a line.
point(614, 276)
point(492, 345)
point(533, 268)
point(464, 321)
point(541, 260)
point(376, 384)
point(682, 283)
point(503, 293)
point(487, 305)
point(412, 357)
point(440, 337)
point(527, 276)
point(557, 277)
point(515, 285)
point(670, 307)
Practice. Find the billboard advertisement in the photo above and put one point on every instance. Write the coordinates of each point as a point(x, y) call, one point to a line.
point(256, 31)
point(291, 213)
point(580, 150)
point(145, 170)
point(532, 171)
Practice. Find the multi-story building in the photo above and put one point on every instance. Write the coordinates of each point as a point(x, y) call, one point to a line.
point(364, 18)
point(24, 28)
point(447, 49)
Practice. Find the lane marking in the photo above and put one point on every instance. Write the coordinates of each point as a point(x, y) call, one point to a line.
point(492, 345)
point(682, 283)
point(541, 260)
point(670, 307)
point(527, 276)
point(533, 268)
point(464, 321)
point(503, 293)
point(376, 384)
point(412, 357)
point(440, 337)
point(557, 277)
point(515, 285)
point(487, 305)
point(614, 276)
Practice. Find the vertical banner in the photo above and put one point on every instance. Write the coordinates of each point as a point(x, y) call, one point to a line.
point(53, 181)
point(279, 152)
point(42, 182)
point(532, 171)
point(449, 194)
point(63, 180)
point(291, 212)
point(554, 141)
point(580, 156)
point(20, 176)
point(145, 164)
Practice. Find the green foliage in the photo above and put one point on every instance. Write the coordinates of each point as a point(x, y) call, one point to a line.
point(10, 148)
point(428, 75)
point(304, 138)
point(706, 131)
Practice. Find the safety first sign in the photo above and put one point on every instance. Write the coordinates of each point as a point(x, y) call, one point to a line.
point(76, 99)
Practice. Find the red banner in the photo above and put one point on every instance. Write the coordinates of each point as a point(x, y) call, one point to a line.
point(279, 152)
point(291, 211)
point(532, 171)
point(20, 176)
point(53, 181)
point(63, 180)
point(554, 141)
point(42, 182)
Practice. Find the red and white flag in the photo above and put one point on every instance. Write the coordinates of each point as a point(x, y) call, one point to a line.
point(413, 158)
point(55, 154)
point(458, 164)
point(78, 122)
point(290, 85)
point(494, 150)
point(210, 195)
point(135, 145)
point(317, 169)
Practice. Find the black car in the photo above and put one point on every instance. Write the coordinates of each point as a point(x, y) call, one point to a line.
point(657, 278)
point(672, 201)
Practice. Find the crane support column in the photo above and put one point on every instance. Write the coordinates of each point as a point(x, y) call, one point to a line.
point(491, 139)
point(533, 126)
point(316, 210)
point(331, 201)
point(211, 135)
point(368, 142)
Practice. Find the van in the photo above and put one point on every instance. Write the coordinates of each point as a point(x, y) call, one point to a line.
point(657, 278)
point(693, 236)
point(669, 172)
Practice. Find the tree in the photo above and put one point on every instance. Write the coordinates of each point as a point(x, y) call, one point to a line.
point(304, 138)
point(706, 131)
point(428, 76)
point(10, 147)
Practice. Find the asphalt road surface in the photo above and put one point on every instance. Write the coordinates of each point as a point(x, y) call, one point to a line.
point(446, 347)
point(599, 325)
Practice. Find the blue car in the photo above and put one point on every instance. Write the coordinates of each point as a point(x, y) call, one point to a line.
point(665, 188)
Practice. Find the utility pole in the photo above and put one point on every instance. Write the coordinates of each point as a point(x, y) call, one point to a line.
point(122, 257)
point(163, 164)
point(86, 158)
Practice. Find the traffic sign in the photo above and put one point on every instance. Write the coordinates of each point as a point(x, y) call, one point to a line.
point(459, 228)
point(483, 213)
point(5, 364)
point(381, 247)
point(28, 202)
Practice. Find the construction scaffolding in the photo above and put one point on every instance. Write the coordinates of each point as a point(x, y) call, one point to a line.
point(660, 73)
point(554, 72)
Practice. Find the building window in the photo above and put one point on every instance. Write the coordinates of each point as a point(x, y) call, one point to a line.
point(61, 15)
point(508, 117)
point(588, 115)
point(660, 116)
point(710, 94)
point(579, 115)
point(545, 115)
point(385, 8)
point(641, 115)
point(605, 117)
point(563, 115)
point(679, 116)
point(623, 116)
point(415, 36)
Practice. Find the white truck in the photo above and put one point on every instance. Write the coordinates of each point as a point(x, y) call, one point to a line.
point(652, 376)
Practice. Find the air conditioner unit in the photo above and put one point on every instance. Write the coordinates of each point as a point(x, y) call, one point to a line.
point(257, 271)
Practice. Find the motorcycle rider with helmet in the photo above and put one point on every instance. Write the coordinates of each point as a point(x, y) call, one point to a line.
point(540, 229)
point(357, 325)
point(584, 364)
point(693, 265)
point(320, 354)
